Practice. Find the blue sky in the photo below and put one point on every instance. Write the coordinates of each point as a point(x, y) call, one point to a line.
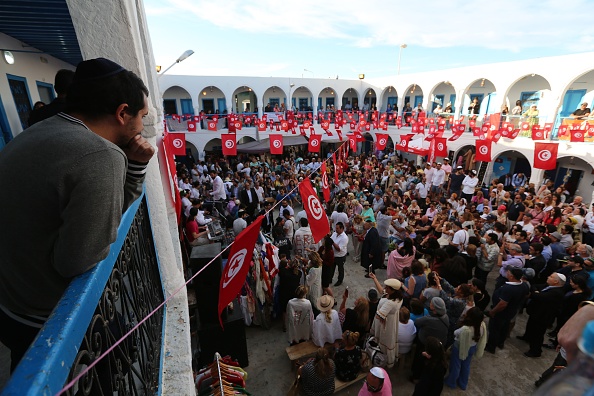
point(282, 38)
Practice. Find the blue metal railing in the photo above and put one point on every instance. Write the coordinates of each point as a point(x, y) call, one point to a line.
point(97, 309)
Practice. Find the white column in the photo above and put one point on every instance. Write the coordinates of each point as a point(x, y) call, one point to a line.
point(118, 30)
point(536, 177)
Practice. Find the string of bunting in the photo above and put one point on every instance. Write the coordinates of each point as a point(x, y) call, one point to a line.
point(241, 251)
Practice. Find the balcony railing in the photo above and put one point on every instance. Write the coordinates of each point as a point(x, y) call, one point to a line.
point(97, 309)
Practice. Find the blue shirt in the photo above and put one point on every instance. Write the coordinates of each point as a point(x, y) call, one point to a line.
point(414, 317)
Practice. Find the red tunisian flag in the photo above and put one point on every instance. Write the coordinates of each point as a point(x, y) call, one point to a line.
point(238, 265)
point(261, 125)
point(403, 144)
point(562, 130)
point(191, 126)
point(483, 150)
point(537, 133)
point(167, 155)
point(577, 135)
point(381, 140)
point(178, 144)
point(545, 155)
point(276, 144)
point(212, 125)
point(284, 125)
point(431, 151)
point(318, 221)
point(441, 147)
point(457, 131)
point(229, 143)
point(352, 142)
point(315, 142)
point(325, 187)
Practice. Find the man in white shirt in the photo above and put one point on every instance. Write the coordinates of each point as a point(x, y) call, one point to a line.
point(341, 240)
point(527, 224)
point(468, 185)
point(200, 219)
point(302, 214)
point(338, 216)
point(460, 239)
point(259, 193)
point(447, 167)
point(218, 188)
point(429, 172)
point(303, 239)
point(421, 189)
point(246, 170)
point(195, 173)
point(343, 185)
point(289, 226)
point(285, 205)
point(439, 176)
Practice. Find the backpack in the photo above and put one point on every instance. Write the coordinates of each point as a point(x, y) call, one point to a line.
point(376, 357)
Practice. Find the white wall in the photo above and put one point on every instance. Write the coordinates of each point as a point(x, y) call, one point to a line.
point(29, 66)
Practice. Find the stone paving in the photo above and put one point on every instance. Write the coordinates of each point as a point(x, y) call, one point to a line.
point(270, 374)
point(506, 373)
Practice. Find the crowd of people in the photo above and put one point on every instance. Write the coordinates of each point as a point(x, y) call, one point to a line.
point(438, 235)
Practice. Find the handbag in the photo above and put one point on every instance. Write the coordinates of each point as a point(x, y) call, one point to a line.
point(295, 388)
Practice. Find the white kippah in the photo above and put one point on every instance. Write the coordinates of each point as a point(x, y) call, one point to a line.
point(562, 277)
point(377, 372)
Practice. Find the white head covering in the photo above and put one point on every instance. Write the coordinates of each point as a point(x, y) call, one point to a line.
point(377, 372)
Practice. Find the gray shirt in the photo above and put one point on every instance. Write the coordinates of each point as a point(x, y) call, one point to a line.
point(383, 225)
point(83, 184)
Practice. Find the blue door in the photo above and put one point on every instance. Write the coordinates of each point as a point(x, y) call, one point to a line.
point(46, 92)
point(438, 101)
point(5, 134)
point(418, 100)
point(221, 105)
point(320, 104)
point(571, 101)
point(186, 106)
point(490, 105)
point(453, 102)
point(393, 101)
point(22, 99)
point(528, 99)
point(303, 104)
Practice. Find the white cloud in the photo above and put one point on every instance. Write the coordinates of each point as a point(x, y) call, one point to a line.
point(505, 24)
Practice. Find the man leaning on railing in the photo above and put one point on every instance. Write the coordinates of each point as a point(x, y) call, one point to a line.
point(89, 164)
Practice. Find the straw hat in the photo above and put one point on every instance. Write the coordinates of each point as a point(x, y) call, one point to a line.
point(325, 303)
